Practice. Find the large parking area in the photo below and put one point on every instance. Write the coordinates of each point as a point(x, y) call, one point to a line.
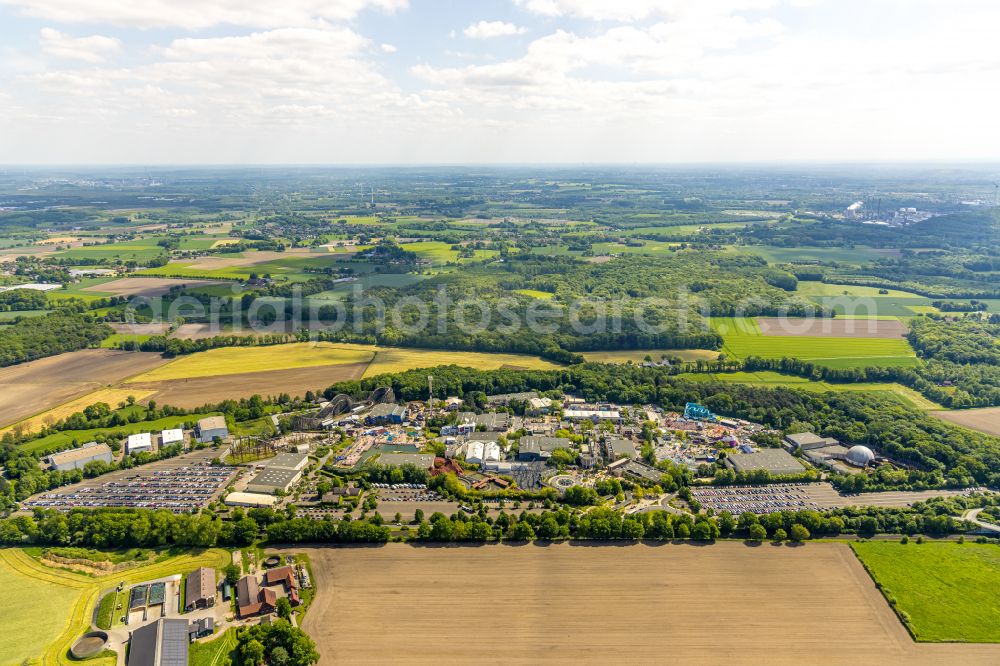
point(793, 497)
point(180, 485)
point(755, 499)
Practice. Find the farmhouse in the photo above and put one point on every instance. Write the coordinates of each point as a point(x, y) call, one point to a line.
point(252, 600)
point(201, 628)
point(211, 427)
point(285, 577)
point(138, 443)
point(162, 643)
point(199, 589)
point(77, 458)
point(773, 461)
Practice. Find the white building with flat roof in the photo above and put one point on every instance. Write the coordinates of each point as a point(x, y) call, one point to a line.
point(138, 443)
point(172, 436)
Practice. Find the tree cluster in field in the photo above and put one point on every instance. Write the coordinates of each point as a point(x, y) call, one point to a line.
point(37, 337)
point(18, 300)
point(961, 306)
point(277, 643)
point(966, 341)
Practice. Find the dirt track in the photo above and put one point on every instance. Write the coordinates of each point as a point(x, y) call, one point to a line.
point(198, 391)
point(724, 604)
point(984, 420)
point(30, 388)
point(832, 328)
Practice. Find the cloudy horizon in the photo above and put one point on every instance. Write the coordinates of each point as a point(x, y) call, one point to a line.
point(359, 82)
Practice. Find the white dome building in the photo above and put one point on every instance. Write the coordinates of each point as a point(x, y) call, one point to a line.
point(860, 456)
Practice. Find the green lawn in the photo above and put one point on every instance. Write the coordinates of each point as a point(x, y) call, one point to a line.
point(534, 293)
point(904, 394)
point(825, 289)
point(743, 338)
point(943, 591)
point(215, 652)
point(10, 316)
point(34, 613)
point(61, 440)
point(141, 249)
point(832, 352)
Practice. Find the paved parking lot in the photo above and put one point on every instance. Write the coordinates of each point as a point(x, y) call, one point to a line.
point(793, 497)
point(755, 499)
point(180, 484)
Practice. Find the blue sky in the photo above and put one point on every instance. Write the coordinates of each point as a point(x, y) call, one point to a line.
point(484, 81)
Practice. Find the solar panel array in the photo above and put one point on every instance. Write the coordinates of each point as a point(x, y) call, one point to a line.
point(174, 643)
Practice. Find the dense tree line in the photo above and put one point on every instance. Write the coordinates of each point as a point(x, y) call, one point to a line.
point(18, 300)
point(142, 528)
point(37, 337)
point(277, 643)
point(965, 341)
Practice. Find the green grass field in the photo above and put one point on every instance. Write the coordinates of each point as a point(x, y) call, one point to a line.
point(824, 289)
point(34, 613)
point(944, 591)
point(46, 614)
point(10, 316)
point(829, 352)
point(215, 652)
point(743, 338)
point(904, 394)
point(64, 438)
point(534, 293)
point(743, 326)
point(141, 249)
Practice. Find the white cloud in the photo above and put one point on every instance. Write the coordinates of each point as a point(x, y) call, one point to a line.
point(388, 48)
point(491, 29)
point(200, 14)
point(90, 49)
point(637, 10)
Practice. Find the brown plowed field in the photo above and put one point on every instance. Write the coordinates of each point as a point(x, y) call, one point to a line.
point(30, 388)
point(984, 420)
point(145, 286)
point(721, 604)
point(823, 327)
point(198, 391)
